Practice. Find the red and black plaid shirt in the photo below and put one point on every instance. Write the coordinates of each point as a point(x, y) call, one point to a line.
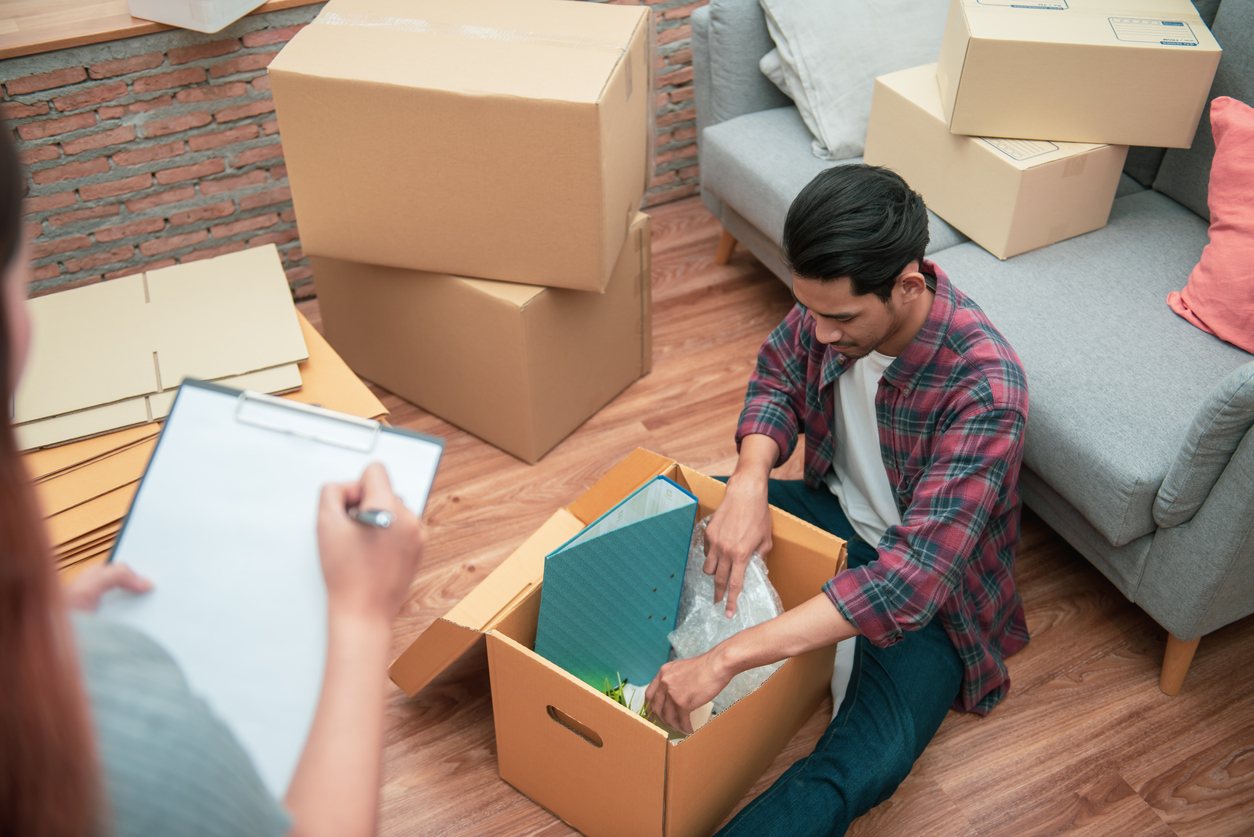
point(951, 411)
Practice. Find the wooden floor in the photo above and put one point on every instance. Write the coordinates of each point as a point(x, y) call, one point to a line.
point(1085, 743)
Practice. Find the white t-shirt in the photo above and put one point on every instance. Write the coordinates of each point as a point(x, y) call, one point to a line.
point(858, 478)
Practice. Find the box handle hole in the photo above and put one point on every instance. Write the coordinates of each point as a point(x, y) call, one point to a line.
point(584, 732)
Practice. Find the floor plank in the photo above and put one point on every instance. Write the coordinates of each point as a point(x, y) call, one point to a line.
point(1086, 743)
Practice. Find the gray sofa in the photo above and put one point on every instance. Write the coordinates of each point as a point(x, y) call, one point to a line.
point(1140, 447)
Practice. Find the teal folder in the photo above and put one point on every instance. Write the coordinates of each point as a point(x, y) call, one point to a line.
point(611, 593)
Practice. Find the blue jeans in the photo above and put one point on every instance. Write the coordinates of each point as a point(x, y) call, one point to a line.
point(896, 700)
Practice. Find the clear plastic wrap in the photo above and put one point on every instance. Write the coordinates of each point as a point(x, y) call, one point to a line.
point(703, 623)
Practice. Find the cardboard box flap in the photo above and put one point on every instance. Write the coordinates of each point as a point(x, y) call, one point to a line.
point(462, 628)
point(638, 466)
point(558, 51)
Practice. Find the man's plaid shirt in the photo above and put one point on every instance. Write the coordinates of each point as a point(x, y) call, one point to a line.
point(951, 411)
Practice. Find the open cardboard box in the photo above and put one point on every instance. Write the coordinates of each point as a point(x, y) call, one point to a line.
point(598, 766)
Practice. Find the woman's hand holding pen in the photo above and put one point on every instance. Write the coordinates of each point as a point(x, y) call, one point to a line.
point(370, 546)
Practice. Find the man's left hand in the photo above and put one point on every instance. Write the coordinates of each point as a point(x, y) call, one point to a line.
point(84, 592)
point(684, 685)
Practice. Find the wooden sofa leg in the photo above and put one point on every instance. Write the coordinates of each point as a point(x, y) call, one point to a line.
point(726, 244)
point(1176, 663)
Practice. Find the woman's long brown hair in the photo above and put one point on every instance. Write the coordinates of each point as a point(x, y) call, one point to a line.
point(48, 773)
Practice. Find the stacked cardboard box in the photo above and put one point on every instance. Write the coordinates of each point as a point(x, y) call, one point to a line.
point(1018, 135)
point(431, 141)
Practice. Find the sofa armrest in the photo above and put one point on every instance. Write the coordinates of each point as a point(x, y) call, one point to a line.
point(1222, 421)
point(729, 38)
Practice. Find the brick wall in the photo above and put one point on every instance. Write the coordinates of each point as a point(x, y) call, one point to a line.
point(164, 148)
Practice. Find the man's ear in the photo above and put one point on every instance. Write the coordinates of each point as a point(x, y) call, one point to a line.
point(913, 285)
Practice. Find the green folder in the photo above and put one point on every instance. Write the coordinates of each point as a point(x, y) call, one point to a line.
point(611, 593)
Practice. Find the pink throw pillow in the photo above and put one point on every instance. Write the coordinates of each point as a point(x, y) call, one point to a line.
point(1219, 296)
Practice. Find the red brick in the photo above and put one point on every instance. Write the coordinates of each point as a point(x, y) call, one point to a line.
point(217, 139)
point(668, 195)
point(664, 179)
point(53, 246)
point(147, 105)
point(212, 252)
point(165, 81)
point(270, 126)
point(48, 271)
point(77, 215)
point(91, 96)
point(169, 243)
point(688, 172)
point(294, 254)
point(278, 173)
point(120, 231)
point(243, 111)
point(33, 230)
point(45, 81)
point(288, 216)
point(257, 222)
point(39, 154)
point(100, 259)
point(682, 11)
point(123, 66)
point(193, 172)
point(261, 84)
point(115, 187)
point(298, 274)
point(230, 184)
point(274, 151)
point(282, 237)
point(174, 124)
point(52, 127)
point(56, 200)
point(17, 110)
point(183, 193)
point(672, 118)
point(209, 212)
point(131, 270)
point(683, 94)
point(676, 77)
point(304, 292)
point(675, 33)
point(116, 136)
point(182, 55)
point(271, 196)
point(213, 92)
point(243, 64)
point(272, 36)
point(689, 133)
point(71, 171)
point(146, 155)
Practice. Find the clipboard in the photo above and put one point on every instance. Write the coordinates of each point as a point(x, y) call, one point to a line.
point(223, 523)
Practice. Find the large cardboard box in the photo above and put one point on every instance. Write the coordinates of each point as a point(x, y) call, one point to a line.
point(1009, 196)
point(598, 766)
point(1126, 72)
point(519, 366)
point(502, 139)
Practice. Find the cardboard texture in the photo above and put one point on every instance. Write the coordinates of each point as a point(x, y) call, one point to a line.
point(1009, 196)
point(598, 766)
point(503, 140)
point(518, 366)
point(85, 487)
point(213, 319)
point(1124, 72)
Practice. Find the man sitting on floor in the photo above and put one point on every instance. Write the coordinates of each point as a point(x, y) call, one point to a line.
point(913, 409)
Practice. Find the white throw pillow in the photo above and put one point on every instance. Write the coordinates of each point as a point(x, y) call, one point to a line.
point(830, 52)
point(772, 66)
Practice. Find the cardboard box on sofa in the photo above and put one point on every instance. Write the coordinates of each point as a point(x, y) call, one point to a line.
point(598, 766)
point(1009, 196)
point(1126, 72)
point(502, 140)
point(519, 366)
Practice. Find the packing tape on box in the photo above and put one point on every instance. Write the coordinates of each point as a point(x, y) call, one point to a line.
point(1075, 165)
point(422, 26)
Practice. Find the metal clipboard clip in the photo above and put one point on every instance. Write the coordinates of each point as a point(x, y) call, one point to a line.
point(306, 421)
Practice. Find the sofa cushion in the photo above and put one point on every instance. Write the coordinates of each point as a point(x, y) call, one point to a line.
point(1219, 297)
point(1114, 377)
point(760, 161)
point(1185, 171)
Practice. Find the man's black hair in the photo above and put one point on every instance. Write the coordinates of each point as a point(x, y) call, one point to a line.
point(859, 221)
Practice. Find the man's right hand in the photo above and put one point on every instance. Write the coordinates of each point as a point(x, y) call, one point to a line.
point(741, 525)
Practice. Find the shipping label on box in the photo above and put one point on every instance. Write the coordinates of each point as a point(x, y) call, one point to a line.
point(519, 366)
point(1007, 195)
point(597, 765)
point(1124, 72)
point(502, 140)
